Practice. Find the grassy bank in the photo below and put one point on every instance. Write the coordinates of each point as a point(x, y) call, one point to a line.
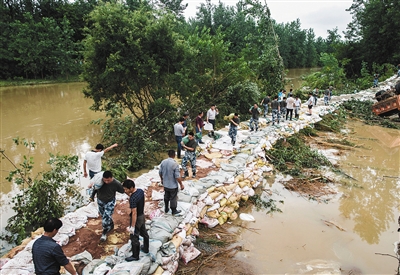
point(23, 82)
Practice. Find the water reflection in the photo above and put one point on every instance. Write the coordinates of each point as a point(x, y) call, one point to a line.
point(371, 200)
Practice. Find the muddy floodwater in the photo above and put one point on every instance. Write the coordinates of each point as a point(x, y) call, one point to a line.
point(362, 216)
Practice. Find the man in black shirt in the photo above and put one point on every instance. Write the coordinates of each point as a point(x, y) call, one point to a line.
point(255, 113)
point(275, 106)
point(190, 155)
point(47, 255)
point(265, 103)
point(137, 221)
point(106, 202)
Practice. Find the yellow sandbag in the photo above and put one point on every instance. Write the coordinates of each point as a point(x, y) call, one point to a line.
point(203, 211)
point(239, 178)
point(247, 181)
point(222, 189)
point(221, 220)
point(242, 184)
point(224, 215)
point(215, 155)
point(228, 209)
point(211, 189)
point(256, 177)
point(223, 201)
point(232, 199)
point(245, 197)
point(233, 216)
point(213, 214)
point(230, 187)
point(214, 195)
point(189, 231)
point(235, 205)
point(218, 162)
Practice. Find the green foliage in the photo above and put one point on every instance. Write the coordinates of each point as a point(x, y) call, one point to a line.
point(241, 97)
point(293, 155)
point(49, 194)
point(260, 203)
point(332, 122)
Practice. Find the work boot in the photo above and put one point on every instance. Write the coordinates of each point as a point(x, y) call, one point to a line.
point(143, 250)
point(131, 258)
point(176, 212)
point(186, 174)
point(166, 210)
point(103, 238)
point(194, 175)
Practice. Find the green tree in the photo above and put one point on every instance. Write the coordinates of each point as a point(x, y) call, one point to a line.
point(48, 194)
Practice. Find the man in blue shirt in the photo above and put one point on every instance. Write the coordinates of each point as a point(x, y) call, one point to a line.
point(137, 225)
point(170, 178)
point(47, 255)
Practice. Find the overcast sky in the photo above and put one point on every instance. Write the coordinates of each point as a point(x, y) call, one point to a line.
point(320, 15)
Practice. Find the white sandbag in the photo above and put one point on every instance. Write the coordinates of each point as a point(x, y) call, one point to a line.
point(102, 269)
point(190, 253)
point(61, 239)
point(215, 206)
point(155, 195)
point(129, 268)
point(90, 210)
point(208, 127)
point(77, 219)
point(97, 180)
point(247, 217)
point(210, 222)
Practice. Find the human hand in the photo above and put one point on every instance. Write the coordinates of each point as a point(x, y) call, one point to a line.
point(85, 174)
point(182, 187)
point(131, 230)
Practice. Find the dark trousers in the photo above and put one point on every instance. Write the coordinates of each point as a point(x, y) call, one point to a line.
point(289, 111)
point(170, 198)
point(178, 141)
point(212, 121)
point(140, 230)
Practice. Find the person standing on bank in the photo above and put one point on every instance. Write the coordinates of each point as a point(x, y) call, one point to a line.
point(184, 124)
point(211, 115)
point(179, 132)
point(199, 125)
point(233, 126)
point(275, 107)
point(297, 105)
point(190, 155)
point(137, 224)
point(310, 103)
point(255, 113)
point(283, 105)
point(289, 107)
point(170, 179)
point(106, 202)
point(47, 255)
point(92, 160)
point(265, 103)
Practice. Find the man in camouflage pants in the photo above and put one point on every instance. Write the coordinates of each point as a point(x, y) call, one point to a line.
point(275, 106)
point(190, 155)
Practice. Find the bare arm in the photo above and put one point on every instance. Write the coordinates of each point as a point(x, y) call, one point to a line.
point(179, 180)
point(188, 148)
point(234, 123)
point(85, 174)
point(109, 148)
point(70, 268)
point(134, 216)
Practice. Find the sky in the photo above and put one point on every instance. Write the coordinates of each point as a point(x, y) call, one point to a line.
point(320, 15)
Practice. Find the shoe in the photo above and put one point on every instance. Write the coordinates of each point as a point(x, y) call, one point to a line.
point(131, 259)
point(251, 130)
point(142, 249)
point(201, 142)
point(166, 210)
point(186, 174)
point(194, 175)
point(176, 212)
point(103, 238)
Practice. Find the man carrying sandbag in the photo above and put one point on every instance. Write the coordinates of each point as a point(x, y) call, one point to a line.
point(137, 226)
point(170, 178)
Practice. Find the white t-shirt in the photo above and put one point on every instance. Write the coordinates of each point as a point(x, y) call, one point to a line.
point(290, 103)
point(211, 114)
point(93, 161)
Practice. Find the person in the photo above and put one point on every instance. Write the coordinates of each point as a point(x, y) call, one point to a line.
point(290, 93)
point(315, 95)
point(92, 162)
point(265, 103)
point(233, 126)
point(47, 255)
point(283, 105)
point(275, 106)
point(327, 96)
point(170, 179)
point(289, 108)
point(199, 126)
point(255, 112)
point(190, 155)
point(106, 202)
point(185, 124)
point(211, 115)
point(376, 80)
point(137, 222)
point(297, 105)
point(310, 103)
point(179, 132)
point(280, 95)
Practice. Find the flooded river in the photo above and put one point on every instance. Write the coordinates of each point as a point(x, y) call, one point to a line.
point(57, 118)
point(366, 209)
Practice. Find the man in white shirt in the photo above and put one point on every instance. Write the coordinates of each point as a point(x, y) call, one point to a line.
point(289, 107)
point(92, 160)
point(211, 114)
point(297, 105)
point(179, 132)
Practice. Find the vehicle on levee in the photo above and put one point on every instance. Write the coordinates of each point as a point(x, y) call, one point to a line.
point(388, 102)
